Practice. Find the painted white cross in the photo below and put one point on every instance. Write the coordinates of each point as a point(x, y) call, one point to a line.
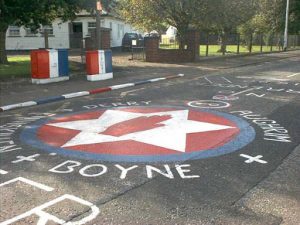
point(251, 159)
point(2, 172)
point(21, 158)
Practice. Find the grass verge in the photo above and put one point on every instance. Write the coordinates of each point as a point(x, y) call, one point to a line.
point(19, 67)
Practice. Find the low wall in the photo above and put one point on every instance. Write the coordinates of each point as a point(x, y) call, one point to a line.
point(170, 56)
point(155, 54)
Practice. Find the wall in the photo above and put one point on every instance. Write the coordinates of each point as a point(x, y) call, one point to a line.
point(59, 40)
point(155, 54)
point(61, 34)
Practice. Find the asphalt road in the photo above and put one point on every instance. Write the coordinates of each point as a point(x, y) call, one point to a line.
point(214, 148)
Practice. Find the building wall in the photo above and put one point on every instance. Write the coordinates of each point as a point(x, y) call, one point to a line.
point(60, 38)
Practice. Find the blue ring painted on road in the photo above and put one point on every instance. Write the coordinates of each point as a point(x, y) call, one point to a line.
point(246, 135)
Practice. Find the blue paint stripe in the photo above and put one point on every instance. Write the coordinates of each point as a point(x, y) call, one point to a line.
point(59, 98)
point(48, 100)
point(108, 61)
point(142, 82)
point(63, 62)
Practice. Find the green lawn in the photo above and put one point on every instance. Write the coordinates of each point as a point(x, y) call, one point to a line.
point(19, 67)
point(231, 49)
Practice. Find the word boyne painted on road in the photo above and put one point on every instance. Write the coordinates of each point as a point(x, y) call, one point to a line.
point(141, 134)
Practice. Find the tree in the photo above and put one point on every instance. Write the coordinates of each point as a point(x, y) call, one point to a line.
point(224, 16)
point(156, 14)
point(33, 13)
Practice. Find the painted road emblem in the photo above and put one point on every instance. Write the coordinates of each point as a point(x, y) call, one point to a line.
point(141, 134)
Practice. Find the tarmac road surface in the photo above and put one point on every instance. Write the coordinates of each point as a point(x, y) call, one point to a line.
point(220, 147)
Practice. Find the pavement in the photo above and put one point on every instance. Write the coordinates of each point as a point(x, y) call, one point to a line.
point(217, 146)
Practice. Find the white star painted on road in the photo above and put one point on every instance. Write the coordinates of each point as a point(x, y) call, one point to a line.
point(170, 133)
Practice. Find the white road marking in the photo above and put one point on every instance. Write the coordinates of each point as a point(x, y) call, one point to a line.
point(3, 172)
point(21, 158)
point(30, 182)
point(45, 216)
point(294, 74)
point(241, 92)
point(226, 80)
point(251, 159)
point(209, 81)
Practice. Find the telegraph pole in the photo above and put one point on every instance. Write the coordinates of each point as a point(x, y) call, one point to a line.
point(285, 43)
point(98, 24)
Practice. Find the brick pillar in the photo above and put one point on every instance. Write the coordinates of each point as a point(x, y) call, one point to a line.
point(105, 39)
point(193, 40)
point(151, 49)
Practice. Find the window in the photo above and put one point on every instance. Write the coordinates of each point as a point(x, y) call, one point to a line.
point(14, 31)
point(91, 28)
point(49, 29)
point(29, 32)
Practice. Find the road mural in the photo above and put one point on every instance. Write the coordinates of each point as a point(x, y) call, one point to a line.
point(118, 139)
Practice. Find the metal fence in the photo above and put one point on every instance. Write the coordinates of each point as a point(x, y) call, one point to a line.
point(239, 44)
point(210, 44)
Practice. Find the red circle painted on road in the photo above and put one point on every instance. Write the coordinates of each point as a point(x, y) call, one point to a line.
point(135, 131)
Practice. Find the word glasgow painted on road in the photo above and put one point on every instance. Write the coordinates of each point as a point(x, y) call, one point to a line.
point(272, 130)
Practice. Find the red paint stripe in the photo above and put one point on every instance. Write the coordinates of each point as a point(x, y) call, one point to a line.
point(100, 90)
point(170, 77)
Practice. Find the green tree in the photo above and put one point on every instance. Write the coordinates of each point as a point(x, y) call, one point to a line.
point(224, 17)
point(157, 14)
point(33, 13)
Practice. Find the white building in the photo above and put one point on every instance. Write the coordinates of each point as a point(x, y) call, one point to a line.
point(66, 34)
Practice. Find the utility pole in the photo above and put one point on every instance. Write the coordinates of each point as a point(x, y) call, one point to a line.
point(285, 43)
point(98, 24)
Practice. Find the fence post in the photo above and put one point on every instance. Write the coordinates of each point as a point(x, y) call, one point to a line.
point(238, 43)
point(207, 44)
point(250, 44)
point(261, 42)
point(224, 44)
point(271, 42)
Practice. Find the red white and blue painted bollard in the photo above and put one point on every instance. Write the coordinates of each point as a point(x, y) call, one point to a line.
point(49, 66)
point(99, 65)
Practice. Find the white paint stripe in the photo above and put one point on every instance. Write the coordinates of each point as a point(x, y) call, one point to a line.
point(101, 61)
point(157, 79)
point(76, 94)
point(3, 172)
point(251, 89)
point(115, 87)
point(208, 80)
point(30, 182)
point(53, 63)
point(18, 105)
point(38, 211)
point(226, 80)
point(181, 75)
point(294, 74)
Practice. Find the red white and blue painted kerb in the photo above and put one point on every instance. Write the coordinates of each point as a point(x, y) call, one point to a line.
point(83, 93)
point(49, 66)
point(141, 134)
point(99, 65)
